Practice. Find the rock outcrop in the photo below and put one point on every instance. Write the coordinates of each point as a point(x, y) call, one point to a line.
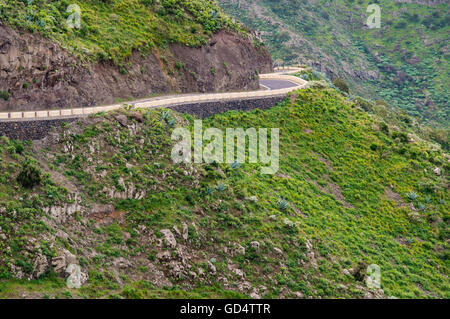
point(39, 74)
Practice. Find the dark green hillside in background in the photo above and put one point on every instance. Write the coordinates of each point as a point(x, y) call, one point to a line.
point(405, 63)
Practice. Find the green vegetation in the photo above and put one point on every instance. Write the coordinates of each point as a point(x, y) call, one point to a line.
point(341, 85)
point(336, 195)
point(29, 176)
point(405, 62)
point(384, 115)
point(111, 30)
point(4, 95)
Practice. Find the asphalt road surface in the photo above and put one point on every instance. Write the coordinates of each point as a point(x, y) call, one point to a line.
point(276, 84)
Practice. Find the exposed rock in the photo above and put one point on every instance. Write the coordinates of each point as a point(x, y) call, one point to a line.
point(255, 244)
point(62, 213)
point(185, 231)
point(163, 255)
point(346, 272)
point(2, 236)
point(310, 254)
point(61, 234)
point(40, 266)
point(61, 80)
point(239, 249)
point(238, 272)
point(99, 209)
point(122, 263)
point(62, 260)
point(137, 116)
point(212, 268)
point(169, 238)
point(299, 295)
point(375, 294)
point(278, 251)
point(176, 231)
point(255, 295)
point(122, 119)
point(437, 171)
point(177, 270)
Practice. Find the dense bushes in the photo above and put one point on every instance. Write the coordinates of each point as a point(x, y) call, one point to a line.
point(29, 176)
point(392, 63)
point(4, 95)
point(341, 85)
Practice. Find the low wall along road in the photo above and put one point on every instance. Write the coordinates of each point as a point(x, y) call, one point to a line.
point(275, 84)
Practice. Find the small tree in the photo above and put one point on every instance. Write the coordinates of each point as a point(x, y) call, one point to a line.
point(30, 175)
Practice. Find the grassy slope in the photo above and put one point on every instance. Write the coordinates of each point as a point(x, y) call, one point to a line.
point(410, 244)
point(111, 30)
point(336, 30)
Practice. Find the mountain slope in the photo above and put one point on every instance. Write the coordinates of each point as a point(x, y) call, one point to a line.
point(350, 192)
point(405, 62)
point(121, 50)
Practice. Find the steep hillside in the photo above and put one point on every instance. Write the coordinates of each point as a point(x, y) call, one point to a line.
point(121, 50)
point(350, 192)
point(405, 62)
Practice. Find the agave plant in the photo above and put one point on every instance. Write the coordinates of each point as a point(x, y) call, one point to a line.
point(421, 207)
point(283, 204)
point(221, 187)
point(412, 196)
point(171, 122)
point(209, 190)
point(235, 165)
point(165, 115)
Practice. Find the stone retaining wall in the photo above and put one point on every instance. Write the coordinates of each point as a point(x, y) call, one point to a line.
point(37, 129)
point(206, 109)
point(30, 129)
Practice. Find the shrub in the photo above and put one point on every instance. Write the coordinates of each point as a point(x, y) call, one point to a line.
point(341, 85)
point(18, 147)
point(30, 175)
point(403, 137)
point(384, 128)
point(364, 104)
point(4, 95)
point(179, 65)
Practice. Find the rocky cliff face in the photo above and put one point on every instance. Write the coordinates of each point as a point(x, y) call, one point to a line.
point(39, 74)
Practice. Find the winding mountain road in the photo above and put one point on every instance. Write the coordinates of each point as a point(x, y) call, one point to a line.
point(271, 84)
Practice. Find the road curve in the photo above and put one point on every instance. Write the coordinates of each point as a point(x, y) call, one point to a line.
point(276, 84)
point(272, 84)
